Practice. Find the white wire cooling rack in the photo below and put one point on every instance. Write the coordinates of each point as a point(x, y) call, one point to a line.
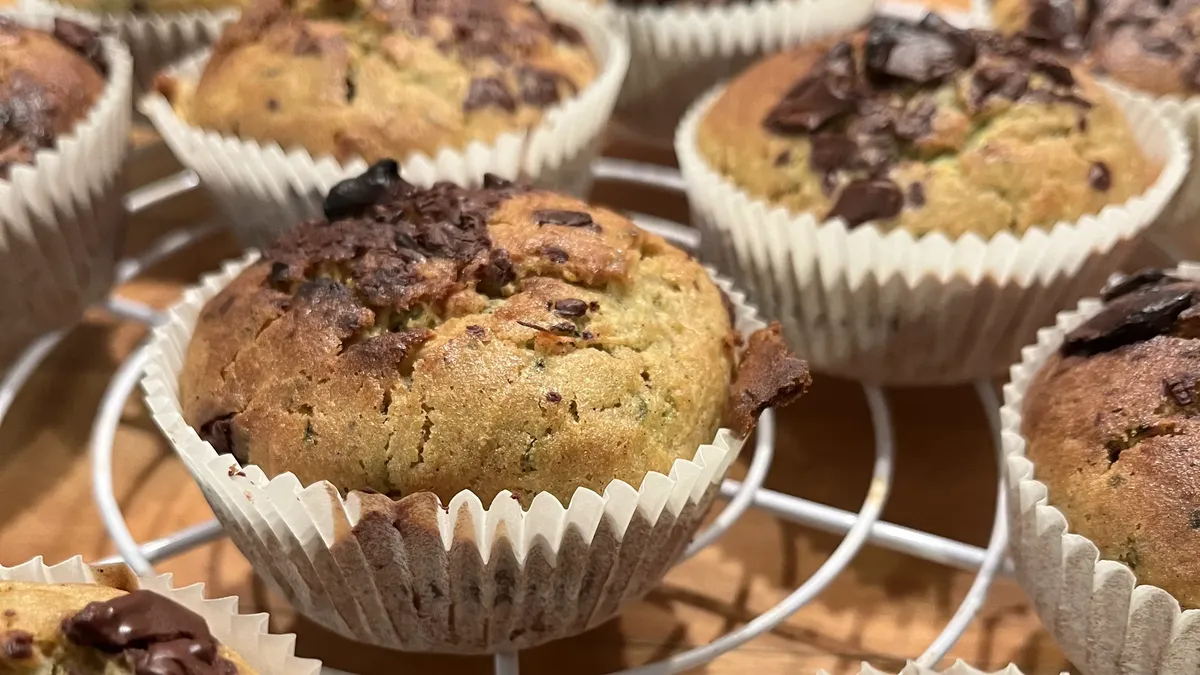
point(857, 529)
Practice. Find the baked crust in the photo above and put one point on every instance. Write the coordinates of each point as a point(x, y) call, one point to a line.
point(949, 131)
point(441, 340)
point(377, 80)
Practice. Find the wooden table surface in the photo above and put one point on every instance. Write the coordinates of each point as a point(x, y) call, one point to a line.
point(886, 607)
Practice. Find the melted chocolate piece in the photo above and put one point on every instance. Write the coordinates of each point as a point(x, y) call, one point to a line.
point(488, 91)
point(832, 152)
point(496, 274)
point(564, 218)
point(157, 635)
point(1052, 21)
point(351, 196)
point(1129, 319)
point(219, 433)
point(919, 53)
point(1133, 282)
point(555, 254)
point(1099, 177)
point(1005, 79)
point(826, 94)
point(865, 200)
point(17, 644)
point(83, 40)
point(570, 308)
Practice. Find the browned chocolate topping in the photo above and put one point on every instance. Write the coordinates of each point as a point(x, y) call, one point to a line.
point(157, 636)
point(1137, 308)
point(768, 376)
point(857, 122)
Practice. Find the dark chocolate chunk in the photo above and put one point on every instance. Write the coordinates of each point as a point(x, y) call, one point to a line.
point(1052, 21)
point(865, 200)
point(156, 634)
point(916, 195)
point(83, 40)
point(915, 53)
point(488, 91)
point(818, 98)
point(553, 396)
point(832, 152)
point(917, 121)
point(1128, 319)
point(1051, 67)
point(565, 328)
point(570, 308)
point(493, 182)
point(1099, 177)
point(219, 434)
point(351, 196)
point(538, 87)
point(783, 158)
point(1181, 388)
point(1159, 45)
point(1129, 283)
point(555, 254)
point(17, 644)
point(564, 218)
point(497, 273)
point(1005, 79)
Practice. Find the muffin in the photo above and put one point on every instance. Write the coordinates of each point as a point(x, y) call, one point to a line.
point(450, 339)
point(913, 200)
point(1098, 433)
point(489, 416)
point(64, 120)
point(48, 83)
point(87, 629)
point(455, 88)
point(928, 128)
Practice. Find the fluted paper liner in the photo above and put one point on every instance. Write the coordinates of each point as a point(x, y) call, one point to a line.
point(958, 668)
point(245, 634)
point(680, 51)
point(1104, 621)
point(155, 40)
point(61, 217)
point(415, 575)
point(264, 188)
point(894, 308)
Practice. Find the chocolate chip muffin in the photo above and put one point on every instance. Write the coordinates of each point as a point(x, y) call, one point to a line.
point(1111, 425)
point(375, 80)
point(48, 83)
point(448, 339)
point(86, 629)
point(921, 126)
point(1150, 45)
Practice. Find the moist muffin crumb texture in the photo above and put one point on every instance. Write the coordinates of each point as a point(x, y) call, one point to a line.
point(447, 339)
point(925, 127)
point(49, 81)
point(1113, 427)
point(380, 80)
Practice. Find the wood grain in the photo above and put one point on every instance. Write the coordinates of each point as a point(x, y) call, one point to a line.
point(885, 608)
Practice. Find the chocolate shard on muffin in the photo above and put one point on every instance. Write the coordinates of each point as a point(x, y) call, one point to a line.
point(486, 339)
point(1151, 45)
point(86, 629)
point(1112, 425)
point(49, 81)
point(381, 80)
point(923, 126)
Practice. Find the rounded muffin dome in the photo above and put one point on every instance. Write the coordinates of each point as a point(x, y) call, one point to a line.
point(1112, 425)
point(925, 127)
point(449, 339)
point(383, 79)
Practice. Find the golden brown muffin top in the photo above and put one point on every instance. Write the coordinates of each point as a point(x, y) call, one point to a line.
point(446, 339)
point(48, 83)
point(926, 127)
point(377, 79)
point(1112, 427)
point(90, 629)
point(1151, 45)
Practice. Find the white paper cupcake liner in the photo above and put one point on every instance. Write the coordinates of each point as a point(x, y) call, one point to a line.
point(155, 40)
point(679, 52)
point(892, 308)
point(264, 188)
point(61, 216)
point(1104, 621)
point(958, 668)
point(464, 578)
point(245, 634)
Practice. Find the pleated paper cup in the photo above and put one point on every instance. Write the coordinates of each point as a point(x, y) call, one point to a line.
point(155, 40)
point(958, 668)
point(61, 216)
point(245, 634)
point(1104, 621)
point(898, 309)
point(465, 577)
point(264, 188)
point(681, 51)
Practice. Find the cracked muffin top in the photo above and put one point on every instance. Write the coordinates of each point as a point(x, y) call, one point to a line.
point(49, 81)
point(379, 79)
point(86, 629)
point(1111, 425)
point(925, 127)
point(1151, 45)
point(448, 339)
